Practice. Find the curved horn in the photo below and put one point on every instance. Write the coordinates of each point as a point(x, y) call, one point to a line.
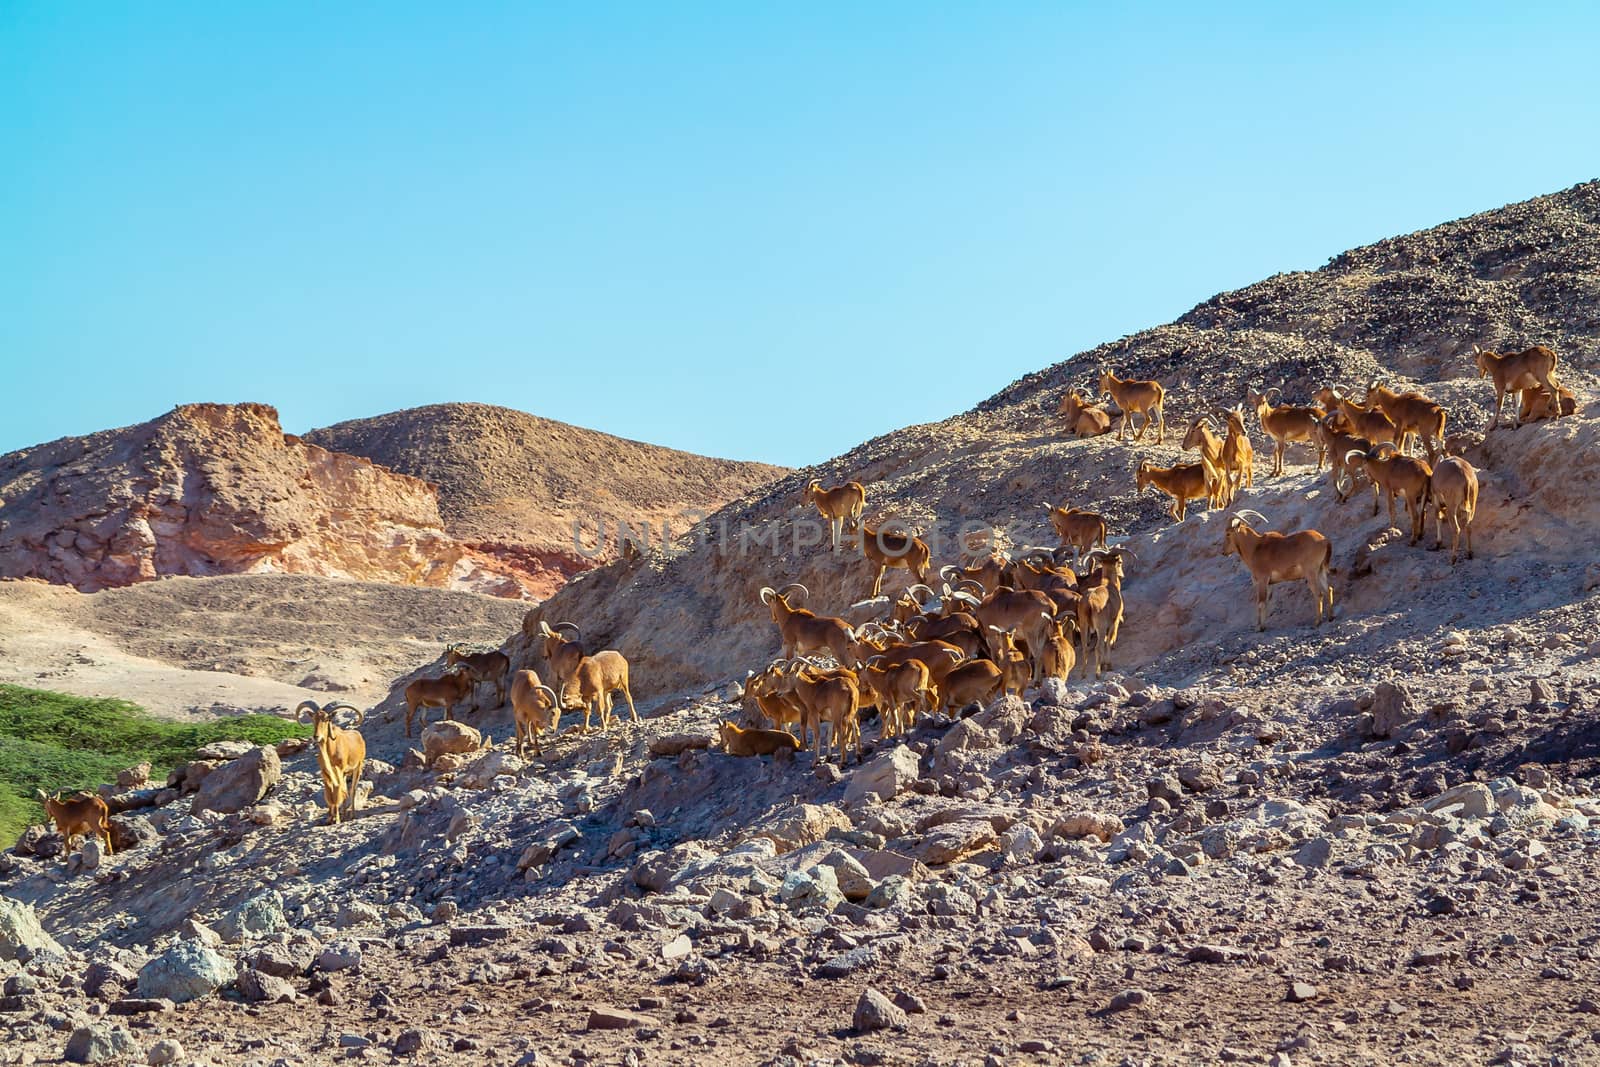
point(302, 706)
point(767, 594)
point(340, 705)
point(913, 588)
point(784, 592)
point(1267, 392)
point(1354, 452)
point(544, 629)
point(1380, 446)
point(947, 570)
point(1094, 554)
point(1244, 512)
point(1123, 550)
point(555, 701)
point(577, 634)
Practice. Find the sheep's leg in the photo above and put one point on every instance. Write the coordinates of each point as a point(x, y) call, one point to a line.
point(1499, 399)
point(355, 787)
point(877, 582)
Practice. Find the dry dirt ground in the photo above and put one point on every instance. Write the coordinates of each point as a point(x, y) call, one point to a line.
point(199, 647)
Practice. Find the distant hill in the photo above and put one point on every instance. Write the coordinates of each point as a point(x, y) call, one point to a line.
point(511, 484)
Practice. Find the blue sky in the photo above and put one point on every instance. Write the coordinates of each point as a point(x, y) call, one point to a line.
point(676, 222)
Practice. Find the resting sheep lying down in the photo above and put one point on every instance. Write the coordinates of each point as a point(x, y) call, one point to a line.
point(737, 742)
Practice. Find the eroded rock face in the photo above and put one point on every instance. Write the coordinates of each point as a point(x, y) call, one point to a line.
point(213, 489)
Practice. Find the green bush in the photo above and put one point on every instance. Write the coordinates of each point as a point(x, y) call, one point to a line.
point(53, 741)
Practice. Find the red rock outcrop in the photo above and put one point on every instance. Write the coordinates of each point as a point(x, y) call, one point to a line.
point(218, 489)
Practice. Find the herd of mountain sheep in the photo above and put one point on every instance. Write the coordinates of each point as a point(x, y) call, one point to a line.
point(1001, 622)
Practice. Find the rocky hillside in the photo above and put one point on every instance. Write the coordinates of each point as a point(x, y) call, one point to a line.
point(1411, 308)
point(1375, 842)
point(511, 485)
point(218, 489)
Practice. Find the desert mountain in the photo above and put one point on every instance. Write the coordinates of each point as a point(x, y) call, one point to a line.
point(511, 485)
point(1410, 308)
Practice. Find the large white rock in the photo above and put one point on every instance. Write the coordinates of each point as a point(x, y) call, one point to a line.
point(186, 971)
point(21, 936)
point(888, 775)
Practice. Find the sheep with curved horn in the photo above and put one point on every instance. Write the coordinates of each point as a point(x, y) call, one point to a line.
point(341, 752)
point(1276, 557)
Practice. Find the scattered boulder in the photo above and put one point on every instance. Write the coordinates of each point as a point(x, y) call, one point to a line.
point(99, 1043)
point(339, 956)
point(134, 777)
point(1392, 710)
point(874, 1011)
point(21, 936)
point(254, 917)
point(887, 775)
point(481, 772)
point(448, 737)
point(603, 1017)
point(956, 841)
point(803, 824)
point(259, 988)
point(164, 1052)
point(186, 971)
point(1469, 800)
point(1087, 824)
point(240, 782)
point(668, 745)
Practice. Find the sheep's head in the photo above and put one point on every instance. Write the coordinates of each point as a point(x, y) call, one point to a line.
point(554, 639)
point(324, 719)
point(778, 599)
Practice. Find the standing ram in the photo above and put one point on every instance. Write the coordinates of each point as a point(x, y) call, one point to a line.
point(1275, 557)
point(481, 667)
point(1532, 368)
point(341, 753)
point(840, 504)
point(594, 677)
point(1146, 398)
